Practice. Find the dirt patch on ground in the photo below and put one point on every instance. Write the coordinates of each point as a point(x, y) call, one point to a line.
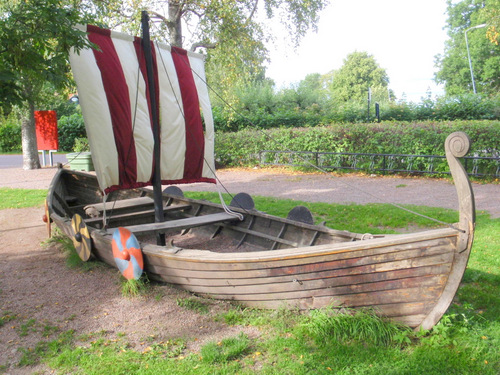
point(38, 291)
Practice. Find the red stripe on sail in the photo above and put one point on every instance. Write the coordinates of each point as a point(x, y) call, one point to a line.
point(117, 95)
point(195, 141)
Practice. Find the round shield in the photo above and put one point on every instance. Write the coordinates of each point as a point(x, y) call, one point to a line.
point(127, 253)
point(81, 237)
point(174, 191)
point(242, 200)
point(301, 214)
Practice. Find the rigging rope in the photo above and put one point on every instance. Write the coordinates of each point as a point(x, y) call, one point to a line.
point(307, 162)
point(322, 170)
point(181, 109)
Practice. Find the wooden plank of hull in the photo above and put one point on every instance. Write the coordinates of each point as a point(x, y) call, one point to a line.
point(328, 288)
point(402, 309)
point(63, 224)
point(217, 262)
point(410, 320)
point(82, 186)
point(308, 282)
point(376, 299)
point(260, 275)
point(408, 313)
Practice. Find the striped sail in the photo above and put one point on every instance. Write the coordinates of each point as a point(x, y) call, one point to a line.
point(113, 92)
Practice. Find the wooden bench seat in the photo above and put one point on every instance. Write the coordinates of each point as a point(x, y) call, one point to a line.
point(190, 222)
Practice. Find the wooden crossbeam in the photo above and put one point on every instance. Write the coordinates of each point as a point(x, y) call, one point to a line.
point(261, 235)
point(151, 212)
point(120, 204)
point(190, 222)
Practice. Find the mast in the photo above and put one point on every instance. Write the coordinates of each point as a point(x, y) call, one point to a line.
point(157, 193)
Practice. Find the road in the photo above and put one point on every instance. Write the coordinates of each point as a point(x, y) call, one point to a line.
point(16, 161)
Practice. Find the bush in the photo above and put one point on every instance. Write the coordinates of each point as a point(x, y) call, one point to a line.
point(10, 134)
point(81, 145)
point(467, 107)
point(70, 128)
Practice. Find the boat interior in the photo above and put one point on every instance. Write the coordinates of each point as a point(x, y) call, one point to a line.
point(191, 223)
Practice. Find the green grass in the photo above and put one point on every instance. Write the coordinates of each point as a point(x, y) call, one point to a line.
point(6, 317)
point(226, 350)
point(465, 341)
point(193, 304)
point(372, 218)
point(73, 260)
point(21, 198)
point(134, 288)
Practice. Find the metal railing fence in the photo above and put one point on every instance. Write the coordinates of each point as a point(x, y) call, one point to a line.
point(479, 166)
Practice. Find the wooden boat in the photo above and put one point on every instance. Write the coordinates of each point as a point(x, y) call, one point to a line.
point(266, 261)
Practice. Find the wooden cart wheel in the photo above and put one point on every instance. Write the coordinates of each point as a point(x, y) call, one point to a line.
point(127, 253)
point(46, 219)
point(81, 238)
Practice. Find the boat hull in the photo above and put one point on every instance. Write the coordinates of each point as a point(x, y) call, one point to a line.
point(409, 278)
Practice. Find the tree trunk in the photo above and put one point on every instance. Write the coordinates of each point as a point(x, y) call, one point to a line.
point(28, 136)
point(174, 22)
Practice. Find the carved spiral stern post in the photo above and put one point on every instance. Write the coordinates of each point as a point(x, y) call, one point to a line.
point(456, 146)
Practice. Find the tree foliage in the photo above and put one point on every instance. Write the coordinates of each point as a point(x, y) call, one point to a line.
point(491, 13)
point(359, 72)
point(35, 37)
point(230, 32)
point(453, 65)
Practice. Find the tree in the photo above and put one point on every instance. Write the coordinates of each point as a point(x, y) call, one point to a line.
point(491, 13)
point(35, 37)
point(229, 32)
point(307, 94)
point(453, 65)
point(359, 72)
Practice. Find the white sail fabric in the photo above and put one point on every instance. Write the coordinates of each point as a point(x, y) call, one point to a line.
point(114, 96)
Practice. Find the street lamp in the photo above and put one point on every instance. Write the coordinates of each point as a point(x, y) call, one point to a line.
point(468, 53)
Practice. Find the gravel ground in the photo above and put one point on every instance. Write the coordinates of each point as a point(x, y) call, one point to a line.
point(312, 187)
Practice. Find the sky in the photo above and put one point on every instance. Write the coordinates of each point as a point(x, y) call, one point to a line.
point(403, 36)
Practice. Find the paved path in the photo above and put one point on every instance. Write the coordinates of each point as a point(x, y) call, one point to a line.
point(311, 187)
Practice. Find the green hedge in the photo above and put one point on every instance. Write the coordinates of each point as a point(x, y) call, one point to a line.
point(426, 138)
point(10, 133)
point(69, 129)
point(10, 138)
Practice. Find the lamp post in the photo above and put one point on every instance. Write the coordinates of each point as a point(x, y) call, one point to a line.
point(468, 54)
